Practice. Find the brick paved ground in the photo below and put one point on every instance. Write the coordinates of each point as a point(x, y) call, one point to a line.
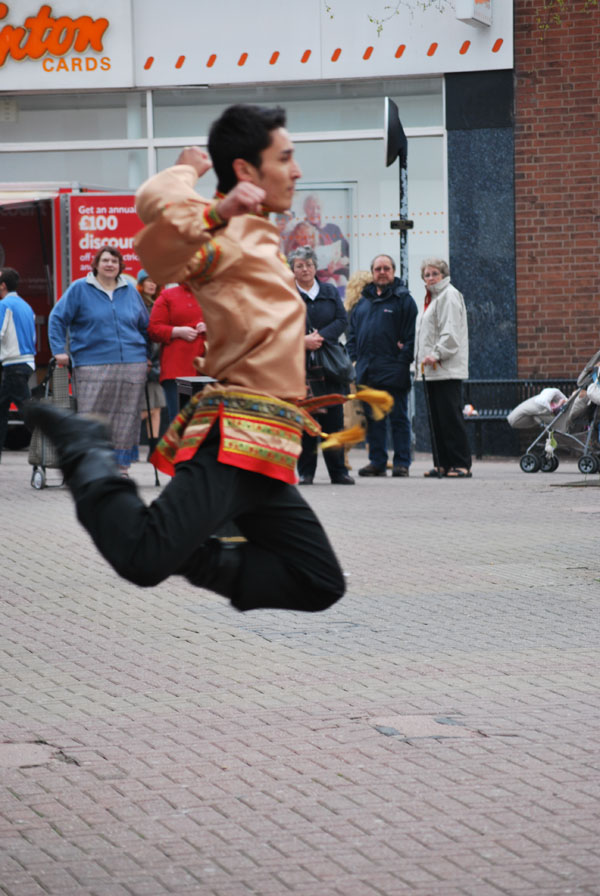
point(436, 733)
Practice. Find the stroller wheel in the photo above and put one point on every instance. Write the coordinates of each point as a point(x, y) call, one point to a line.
point(555, 463)
point(548, 463)
point(587, 464)
point(530, 463)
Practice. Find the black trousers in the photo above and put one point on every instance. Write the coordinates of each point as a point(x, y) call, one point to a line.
point(449, 431)
point(332, 420)
point(287, 561)
point(13, 388)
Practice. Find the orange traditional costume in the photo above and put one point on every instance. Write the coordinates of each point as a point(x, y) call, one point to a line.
point(255, 323)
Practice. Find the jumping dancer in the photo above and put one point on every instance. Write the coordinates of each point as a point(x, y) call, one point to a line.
point(233, 449)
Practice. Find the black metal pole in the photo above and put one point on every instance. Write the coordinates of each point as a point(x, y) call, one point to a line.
point(396, 147)
point(404, 220)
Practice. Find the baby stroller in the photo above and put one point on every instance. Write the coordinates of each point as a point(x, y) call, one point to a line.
point(56, 387)
point(569, 424)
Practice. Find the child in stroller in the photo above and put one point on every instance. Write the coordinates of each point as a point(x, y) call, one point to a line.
point(569, 424)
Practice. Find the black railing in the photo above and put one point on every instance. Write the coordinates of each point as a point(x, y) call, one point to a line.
point(493, 400)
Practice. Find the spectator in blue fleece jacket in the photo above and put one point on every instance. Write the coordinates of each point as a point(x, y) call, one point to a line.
point(17, 347)
point(105, 321)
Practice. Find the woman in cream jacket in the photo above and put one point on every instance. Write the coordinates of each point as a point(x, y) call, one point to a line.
point(442, 359)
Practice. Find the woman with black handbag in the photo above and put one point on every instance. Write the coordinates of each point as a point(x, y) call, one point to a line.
point(327, 365)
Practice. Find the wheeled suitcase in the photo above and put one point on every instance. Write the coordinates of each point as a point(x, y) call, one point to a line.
point(56, 388)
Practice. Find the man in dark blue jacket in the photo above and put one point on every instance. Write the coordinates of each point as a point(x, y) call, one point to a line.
point(381, 341)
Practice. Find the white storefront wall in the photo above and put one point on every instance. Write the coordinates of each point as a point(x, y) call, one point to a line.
point(150, 81)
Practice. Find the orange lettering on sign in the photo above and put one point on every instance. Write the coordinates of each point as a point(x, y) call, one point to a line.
point(43, 34)
point(76, 64)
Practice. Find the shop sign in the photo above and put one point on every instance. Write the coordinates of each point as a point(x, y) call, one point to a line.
point(97, 220)
point(329, 41)
point(81, 44)
point(42, 34)
point(61, 46)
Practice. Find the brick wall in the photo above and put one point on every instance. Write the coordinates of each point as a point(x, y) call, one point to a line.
point(557, 195)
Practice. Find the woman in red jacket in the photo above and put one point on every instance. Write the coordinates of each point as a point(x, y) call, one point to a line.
point(176, 322)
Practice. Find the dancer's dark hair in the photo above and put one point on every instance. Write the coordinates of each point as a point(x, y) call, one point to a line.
point(242, 132)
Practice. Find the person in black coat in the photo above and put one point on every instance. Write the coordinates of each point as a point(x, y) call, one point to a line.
point(326, 320)
point(381, 339)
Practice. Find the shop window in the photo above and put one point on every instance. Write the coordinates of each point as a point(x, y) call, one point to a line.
point(116, 169)
point(310, 107)
point(81, 116)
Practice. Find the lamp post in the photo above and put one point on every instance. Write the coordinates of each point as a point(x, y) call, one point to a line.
point(396, 147)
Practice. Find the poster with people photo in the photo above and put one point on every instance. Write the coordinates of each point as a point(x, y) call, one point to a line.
point(321, 217)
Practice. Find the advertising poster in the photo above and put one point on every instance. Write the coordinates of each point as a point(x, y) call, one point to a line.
point(103, 219)
point(321, 218)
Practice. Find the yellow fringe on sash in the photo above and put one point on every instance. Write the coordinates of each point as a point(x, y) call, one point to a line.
point(344, 439)
point(380, 402)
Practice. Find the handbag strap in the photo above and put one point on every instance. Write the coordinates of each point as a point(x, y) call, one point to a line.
point(309, 323)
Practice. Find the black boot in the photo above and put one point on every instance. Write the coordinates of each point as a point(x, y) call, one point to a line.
point(215, 566)
point(83, 445)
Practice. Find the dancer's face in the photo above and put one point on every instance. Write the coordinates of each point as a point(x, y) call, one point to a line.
point(278, 172)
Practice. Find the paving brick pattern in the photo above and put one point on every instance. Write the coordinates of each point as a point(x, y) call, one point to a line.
point(435, 733)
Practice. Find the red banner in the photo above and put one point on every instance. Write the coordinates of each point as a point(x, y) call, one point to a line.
point(98, 220)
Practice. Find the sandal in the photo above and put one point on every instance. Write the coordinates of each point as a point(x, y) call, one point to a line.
point(435, 473)
point(457, 473)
